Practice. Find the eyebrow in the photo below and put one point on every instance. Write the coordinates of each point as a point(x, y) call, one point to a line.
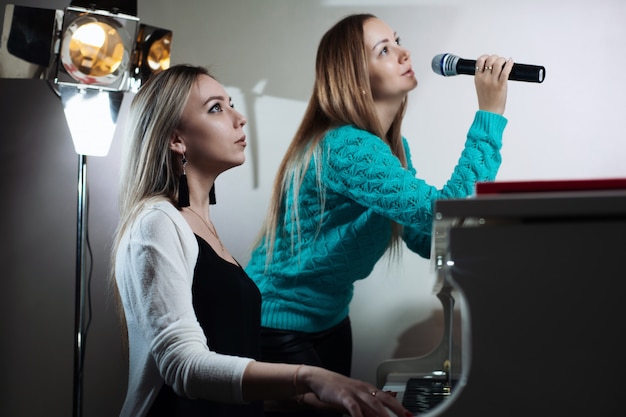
point(221, 98)
point(395, 36)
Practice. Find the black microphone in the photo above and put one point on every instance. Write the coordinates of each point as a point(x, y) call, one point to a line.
point(448, 64)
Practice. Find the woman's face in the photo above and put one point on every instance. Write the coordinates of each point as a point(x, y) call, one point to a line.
point(390, 70)
point(211, 129)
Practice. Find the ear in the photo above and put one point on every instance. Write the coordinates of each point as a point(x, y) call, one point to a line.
point(176, 143)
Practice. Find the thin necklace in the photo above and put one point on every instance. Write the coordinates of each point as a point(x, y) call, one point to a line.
point(212, 230)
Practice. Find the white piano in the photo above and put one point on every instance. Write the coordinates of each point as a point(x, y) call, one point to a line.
point(540, 280)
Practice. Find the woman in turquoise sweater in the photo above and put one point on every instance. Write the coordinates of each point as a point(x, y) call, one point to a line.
point(346, 191)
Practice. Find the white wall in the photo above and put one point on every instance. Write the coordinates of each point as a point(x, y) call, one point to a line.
point(263, 51)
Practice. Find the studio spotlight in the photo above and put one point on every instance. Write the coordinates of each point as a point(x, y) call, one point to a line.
point(81, 46)
point(152, 54)
point(96, 49)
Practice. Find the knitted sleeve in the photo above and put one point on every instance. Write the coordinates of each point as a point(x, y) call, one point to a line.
point(418, 236)
point(155, 287)
point(361, 166)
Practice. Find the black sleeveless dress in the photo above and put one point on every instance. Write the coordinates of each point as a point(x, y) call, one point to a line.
point(228, 306)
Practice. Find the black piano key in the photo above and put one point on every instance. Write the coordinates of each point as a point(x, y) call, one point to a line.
point(422, 394)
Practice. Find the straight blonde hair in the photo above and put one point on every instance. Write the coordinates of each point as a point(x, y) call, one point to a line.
point(148, 170)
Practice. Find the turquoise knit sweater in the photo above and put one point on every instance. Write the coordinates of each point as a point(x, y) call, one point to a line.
point(309, 283)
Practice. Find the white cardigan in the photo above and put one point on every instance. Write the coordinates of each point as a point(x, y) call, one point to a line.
point(154, 272)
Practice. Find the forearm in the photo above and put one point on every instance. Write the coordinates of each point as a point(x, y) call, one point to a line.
point(282, 386)
point(270, 381)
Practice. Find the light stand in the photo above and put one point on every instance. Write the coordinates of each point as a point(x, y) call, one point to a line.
point(91, 136)
point(91, 56)
point(81, 280)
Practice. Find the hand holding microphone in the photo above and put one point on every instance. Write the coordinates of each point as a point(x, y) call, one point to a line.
point(448, 64)
point(492, 73)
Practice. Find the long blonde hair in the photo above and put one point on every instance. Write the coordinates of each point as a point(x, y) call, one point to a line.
point(148, 170)
point(341, 95)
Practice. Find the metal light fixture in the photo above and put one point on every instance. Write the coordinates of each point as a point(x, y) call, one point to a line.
point(96, 49)
point(90, 56)
point(152, 53)
point(84, 47)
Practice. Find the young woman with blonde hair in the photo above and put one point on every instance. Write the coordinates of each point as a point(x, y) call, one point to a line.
point(192, 314)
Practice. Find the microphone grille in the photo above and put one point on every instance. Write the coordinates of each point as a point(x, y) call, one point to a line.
point(445, 64)
point(437, 64)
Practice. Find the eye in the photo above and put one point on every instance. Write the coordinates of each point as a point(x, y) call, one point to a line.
point(384, 51)
point(398, 41)
point(215, 108)
point(231, 104)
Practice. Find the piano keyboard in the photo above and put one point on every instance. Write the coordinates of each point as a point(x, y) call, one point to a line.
point(421, 394)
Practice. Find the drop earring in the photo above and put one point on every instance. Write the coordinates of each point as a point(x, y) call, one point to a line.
point(212, 194)
point(183, 187)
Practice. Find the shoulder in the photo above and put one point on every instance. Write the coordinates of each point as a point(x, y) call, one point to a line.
point(349, 138)
point(347, 132)
point(160, 219)
point(157, 213)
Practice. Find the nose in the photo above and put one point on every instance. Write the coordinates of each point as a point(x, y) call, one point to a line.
point(238, 118)
point(404, 53)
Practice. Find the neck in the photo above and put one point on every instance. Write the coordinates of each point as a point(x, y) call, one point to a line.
point(199, 194)
point(387, 111)
point(201, 209)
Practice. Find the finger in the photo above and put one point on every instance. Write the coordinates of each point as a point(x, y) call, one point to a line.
point(384, 401)
point(507, 68)
point(491, 64)
point(366, 402)
point(480, 64)
point(498, 66)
